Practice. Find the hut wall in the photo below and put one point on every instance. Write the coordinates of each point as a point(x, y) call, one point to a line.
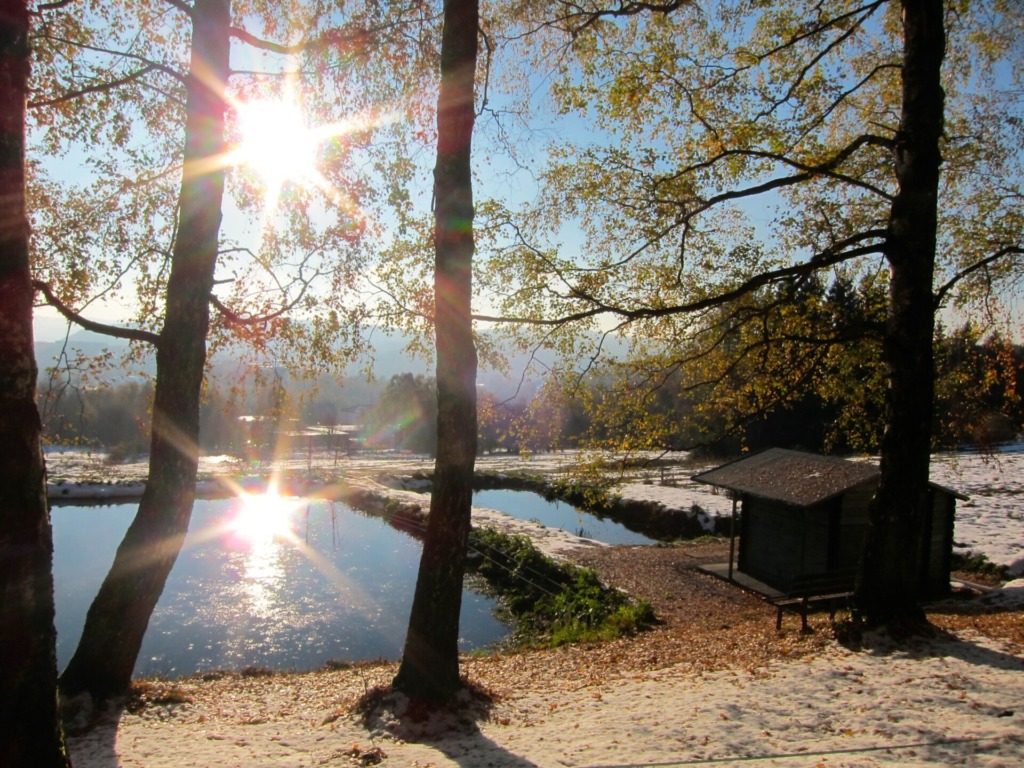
point(817, 532)
point(779, 541)
point(771, 541)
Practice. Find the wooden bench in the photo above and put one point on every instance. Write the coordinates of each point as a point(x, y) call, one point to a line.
point(833, 589)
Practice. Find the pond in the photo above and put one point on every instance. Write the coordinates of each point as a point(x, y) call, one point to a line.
point(287, 587)
point(527, 505)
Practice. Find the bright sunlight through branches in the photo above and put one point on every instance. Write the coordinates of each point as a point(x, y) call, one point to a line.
point(279, 144)
point(276, 142)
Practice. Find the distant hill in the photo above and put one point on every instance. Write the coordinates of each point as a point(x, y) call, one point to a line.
point(88, 345)
point(390, 359)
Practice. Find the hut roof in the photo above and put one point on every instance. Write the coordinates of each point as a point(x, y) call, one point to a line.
point(802, 479)
point(793, 477)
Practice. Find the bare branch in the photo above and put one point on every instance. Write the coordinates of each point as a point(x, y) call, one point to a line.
point(838, 21)
point(354, 39)
point(132, 334)
point(842, 97)
point(590, 18)
point(98, 88)
point(574, 19)
point(826, 168)
point(181, 6)
point(54, 6)
point(1009, 250)
point(265, 45)
point(847, 32)
point(840, 252)
point(153, 65)
point(397, 301)
point(234, 318)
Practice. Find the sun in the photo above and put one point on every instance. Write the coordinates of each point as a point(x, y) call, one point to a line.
point(276, 142)
point(263, 516)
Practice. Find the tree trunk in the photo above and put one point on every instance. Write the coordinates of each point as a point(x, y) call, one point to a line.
point(117, 620)
point(30, 729)
point(891, 579)
point(430, 660)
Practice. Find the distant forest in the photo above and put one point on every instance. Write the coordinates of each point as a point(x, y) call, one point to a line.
point(979, 382)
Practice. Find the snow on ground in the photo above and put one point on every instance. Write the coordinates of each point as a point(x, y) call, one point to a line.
point(1009, 597)
point(945, 701)
point(991, 522)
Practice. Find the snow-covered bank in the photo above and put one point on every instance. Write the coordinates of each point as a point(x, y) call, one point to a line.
point(990, 523)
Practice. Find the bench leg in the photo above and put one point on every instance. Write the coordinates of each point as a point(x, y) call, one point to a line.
point(778, 619)
point(803, 617)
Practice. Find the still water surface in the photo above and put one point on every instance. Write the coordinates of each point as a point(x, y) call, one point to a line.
point(285, 589)
point(527, 505)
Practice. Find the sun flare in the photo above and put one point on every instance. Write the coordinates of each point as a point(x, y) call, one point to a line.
point(276, 142)
point(263, 516)
point(283, 146)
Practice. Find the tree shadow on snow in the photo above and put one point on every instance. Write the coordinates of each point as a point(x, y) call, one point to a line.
point(929, 641)
point(452, 728)
point(90, 732)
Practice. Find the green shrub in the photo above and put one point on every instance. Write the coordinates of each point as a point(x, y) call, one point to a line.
point(975, 562)
point(552, 603)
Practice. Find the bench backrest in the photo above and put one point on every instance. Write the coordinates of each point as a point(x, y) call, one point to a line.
point(811, 584)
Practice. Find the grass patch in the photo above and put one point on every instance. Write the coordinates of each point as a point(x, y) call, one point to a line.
point(594, 494)
point(977, 563)
point(552, 603)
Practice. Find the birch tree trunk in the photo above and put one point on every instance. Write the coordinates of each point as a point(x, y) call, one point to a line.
point(117, 620)
point(430, 660)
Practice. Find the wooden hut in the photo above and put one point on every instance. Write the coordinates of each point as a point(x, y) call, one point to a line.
point(805, 516)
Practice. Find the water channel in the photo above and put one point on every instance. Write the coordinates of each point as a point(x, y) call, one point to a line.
point(286, 585)
point(527, 505)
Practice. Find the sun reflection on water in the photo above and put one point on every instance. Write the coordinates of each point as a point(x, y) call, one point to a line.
point(263, 524)
point(264, 577)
